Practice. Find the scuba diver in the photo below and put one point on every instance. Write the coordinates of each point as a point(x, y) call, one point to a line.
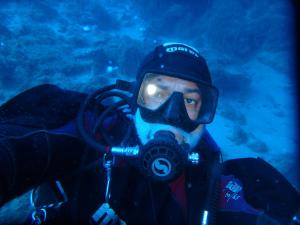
point(135, 153)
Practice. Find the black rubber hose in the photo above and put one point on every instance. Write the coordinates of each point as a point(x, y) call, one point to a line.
point(101, 119)
point(125, 100)
point(80, 120)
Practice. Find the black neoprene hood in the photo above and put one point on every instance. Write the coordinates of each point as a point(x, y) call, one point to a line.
point(178, 60)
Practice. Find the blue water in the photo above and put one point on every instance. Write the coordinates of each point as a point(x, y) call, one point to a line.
point(248, 44)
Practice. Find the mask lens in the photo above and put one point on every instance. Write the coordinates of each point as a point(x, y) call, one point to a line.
point(153, 92)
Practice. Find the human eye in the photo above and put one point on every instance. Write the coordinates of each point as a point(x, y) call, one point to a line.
point(190, 101)
point(193, 98)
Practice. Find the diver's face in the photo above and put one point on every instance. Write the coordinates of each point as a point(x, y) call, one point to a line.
point(156, 91)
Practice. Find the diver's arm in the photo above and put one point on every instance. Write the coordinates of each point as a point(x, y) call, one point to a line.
point(265, 188)
point(27, 161)
point(38, 139)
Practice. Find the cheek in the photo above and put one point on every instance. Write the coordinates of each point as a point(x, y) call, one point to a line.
point(193, 112)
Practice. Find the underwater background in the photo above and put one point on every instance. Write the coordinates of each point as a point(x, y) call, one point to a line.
point(83, 45)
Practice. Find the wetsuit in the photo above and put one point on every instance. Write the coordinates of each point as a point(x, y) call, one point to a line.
point(40, 144)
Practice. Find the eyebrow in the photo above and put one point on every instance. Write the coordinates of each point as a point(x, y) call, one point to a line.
point(192, 90)
point(186, 90)
point(161, 86)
